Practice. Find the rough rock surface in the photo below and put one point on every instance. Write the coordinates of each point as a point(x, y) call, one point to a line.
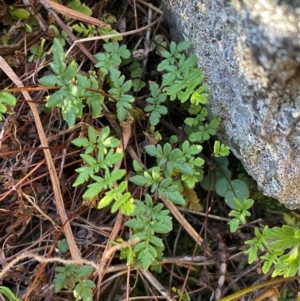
point(249, 51)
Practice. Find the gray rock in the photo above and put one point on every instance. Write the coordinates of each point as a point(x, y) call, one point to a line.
point(249, 51)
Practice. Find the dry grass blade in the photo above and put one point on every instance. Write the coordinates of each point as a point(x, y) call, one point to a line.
point(252, 288)
point(67, 30)
point(71, 13)
point(54, 179)
point(122, 34)
point(182, 221)
point(150, 277)
point(44, 261)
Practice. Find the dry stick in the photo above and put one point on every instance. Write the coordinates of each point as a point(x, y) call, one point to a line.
point(44, 261)
point(75, 253)
point(33, 203)
point(255, 287)
point(113, 35)
point(66, 11)
point(153, 280)
point(151, 6)
point(182, 221)
point(111, 269)
point(107, 253)
point(48, 5)
point(135, 14)
point(39, 273)
point(222, 266)
point(126, 134)
point(270, 294)
point(186, 225)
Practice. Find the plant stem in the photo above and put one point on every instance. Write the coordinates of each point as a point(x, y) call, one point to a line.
point(252, 288)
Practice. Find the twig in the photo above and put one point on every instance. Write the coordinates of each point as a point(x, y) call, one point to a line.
point(109, 36)
point(222, 266)
point(109, 251)
point(204, 214)
point(48, 5)
point(252, 288)
point(123, 34)
point(71, 13)
point(182, 221)
point(44, 261)
point(156, 284)
point(33, 203)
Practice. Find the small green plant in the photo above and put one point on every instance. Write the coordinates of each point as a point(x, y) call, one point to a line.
point(281, 246)
point(154, 179)
point(99, 157)
point(60, 35)
point(109, 18)
point(18, 13)
point(37, 51)
point(98, 143)
point(111, 57)
point(219, 171)
point(147, 220)
point(158, 44)
point(221, 149)
point(73, 277)
point(155, 104)
point(196, 127)
point(287, 295)
point(92, 30)
point(174, 166)
point(125, 252)
point(235, 192)
point(239, 213)
point(219, 180)
point(231, 190)
point(181, 79)
point(80, 7)
point(118, 91)
point(89, 31)
point(177, 166)
point(182, 296)
point(74, 88)
point(136, 73)
point(6, 99)
point(63, 246)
